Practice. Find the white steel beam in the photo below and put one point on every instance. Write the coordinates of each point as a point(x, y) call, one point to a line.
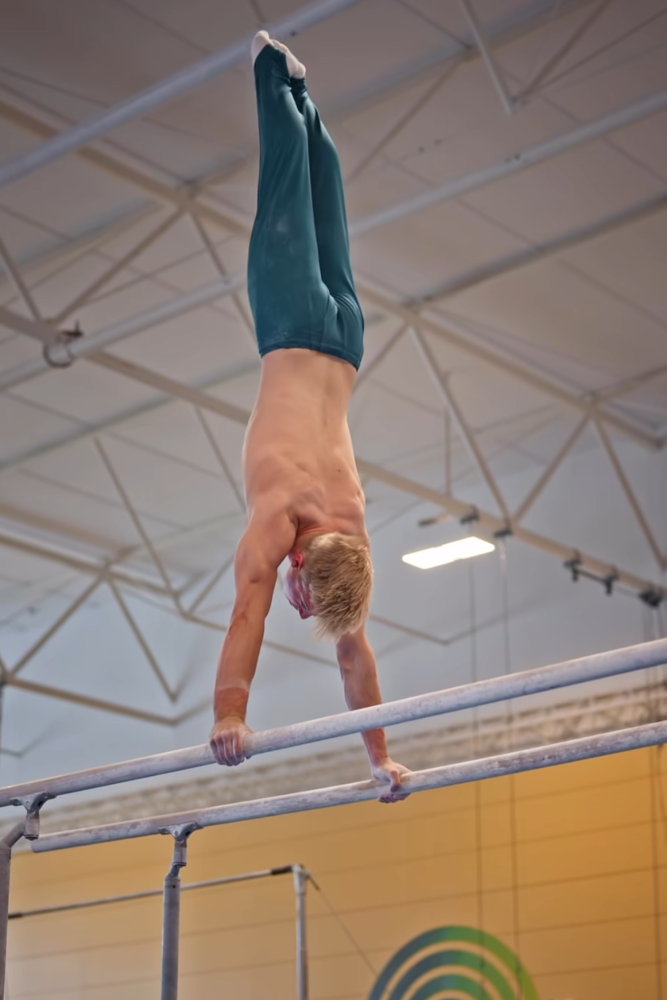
point(215, 405)
point(112, 573)
point(487, 55)
point(86, 295)
point(589, 131)
point(162, 93)
point(178, 197)
point(450, 332)
point(551, 470)
point(631, 495)
point(246, 321)
point(517, 25)
point(62, 354)
point(69, 251)
point(136, 521)
point(370, 366)
point(408, 116)
point(54, 527)
point(19, 284)
point(37, 329)
point(631, 384)
point(91, 429)
point(464, 429)
point(212, 583)
point(53, 629)
point(46, 691)
point(79, 564)
point(520, 23)
point(536, 254)
point(141, 640)
point(222, 462)
point(491, 524)
point(550, 65)
point(94, 342)
point(178, 390)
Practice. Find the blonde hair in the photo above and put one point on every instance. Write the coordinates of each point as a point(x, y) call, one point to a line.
point(339, 572)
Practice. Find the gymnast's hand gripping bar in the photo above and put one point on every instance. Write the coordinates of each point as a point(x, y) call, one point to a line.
point(486, 692)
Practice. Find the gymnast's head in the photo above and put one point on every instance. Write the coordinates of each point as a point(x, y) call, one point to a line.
point(331, 577)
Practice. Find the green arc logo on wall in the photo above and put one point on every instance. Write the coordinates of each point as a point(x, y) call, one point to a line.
point(473, 964)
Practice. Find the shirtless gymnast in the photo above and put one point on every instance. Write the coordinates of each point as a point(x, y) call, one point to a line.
point(305, 500)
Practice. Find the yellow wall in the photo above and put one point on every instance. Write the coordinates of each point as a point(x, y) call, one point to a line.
point(589, 856)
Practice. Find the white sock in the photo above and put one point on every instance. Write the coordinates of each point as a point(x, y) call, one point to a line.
point(261, 40)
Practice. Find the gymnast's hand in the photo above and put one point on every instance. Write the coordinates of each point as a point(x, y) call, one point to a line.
point(227, 741)
point(392, 773)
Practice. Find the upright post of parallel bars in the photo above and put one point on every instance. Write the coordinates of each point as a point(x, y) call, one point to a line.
point(300, 889)
point(28, 828)
point(6, 845)
point(172, 912)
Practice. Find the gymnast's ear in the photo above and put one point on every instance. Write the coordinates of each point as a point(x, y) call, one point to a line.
point(297, 560)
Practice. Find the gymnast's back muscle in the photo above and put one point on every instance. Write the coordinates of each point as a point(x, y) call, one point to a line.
point(298, 452)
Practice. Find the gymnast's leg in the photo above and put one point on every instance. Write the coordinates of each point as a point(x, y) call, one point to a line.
point(330, 217)
point(287, 295)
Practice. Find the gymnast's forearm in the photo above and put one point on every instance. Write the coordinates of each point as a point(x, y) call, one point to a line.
point(361, 685)
point(238, 663)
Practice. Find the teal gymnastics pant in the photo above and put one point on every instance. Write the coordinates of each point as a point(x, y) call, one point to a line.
point(300, 279)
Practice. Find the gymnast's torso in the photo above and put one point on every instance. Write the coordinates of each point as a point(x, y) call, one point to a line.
point(297, 455)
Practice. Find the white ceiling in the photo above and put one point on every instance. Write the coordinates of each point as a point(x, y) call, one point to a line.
point(408, 113)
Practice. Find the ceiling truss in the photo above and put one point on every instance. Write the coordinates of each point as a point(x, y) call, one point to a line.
point(198, 202)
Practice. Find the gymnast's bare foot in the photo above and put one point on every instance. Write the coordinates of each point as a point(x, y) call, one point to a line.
point(261, 40)
point(294, 67)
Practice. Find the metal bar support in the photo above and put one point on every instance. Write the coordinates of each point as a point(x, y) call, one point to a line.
point(486, 692)
point(300, 889)
point(172, 910)
point(6, 845)
point(85, 904)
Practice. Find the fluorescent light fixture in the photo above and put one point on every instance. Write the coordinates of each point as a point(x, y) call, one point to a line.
point(464, 548)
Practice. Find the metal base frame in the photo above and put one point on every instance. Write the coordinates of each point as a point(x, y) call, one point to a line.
point(171, 893)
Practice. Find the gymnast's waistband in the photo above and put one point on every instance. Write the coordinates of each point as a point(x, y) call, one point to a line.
point(340, 332)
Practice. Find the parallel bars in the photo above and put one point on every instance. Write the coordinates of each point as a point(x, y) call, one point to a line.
point(181, 825)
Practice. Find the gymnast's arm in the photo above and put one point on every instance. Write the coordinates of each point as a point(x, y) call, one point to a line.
point(362, 688)
point(264, 545)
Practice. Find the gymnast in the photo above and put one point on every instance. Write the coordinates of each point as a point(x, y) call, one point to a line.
point(305, 500)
